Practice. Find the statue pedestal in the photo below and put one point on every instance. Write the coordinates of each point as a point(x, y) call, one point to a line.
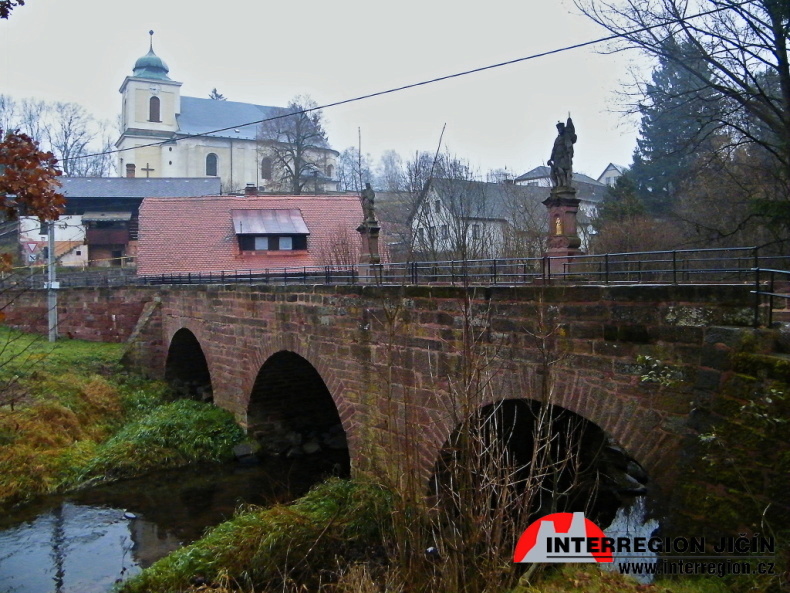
point(369, 259)
point(563, 240)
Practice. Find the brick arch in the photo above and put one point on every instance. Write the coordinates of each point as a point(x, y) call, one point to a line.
point(197, 331)
point(271, 344)
point(624, 419)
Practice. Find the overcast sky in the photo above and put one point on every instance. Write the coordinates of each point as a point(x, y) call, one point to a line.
point(268, 52)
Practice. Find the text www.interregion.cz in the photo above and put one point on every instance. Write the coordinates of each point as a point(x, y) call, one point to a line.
point(719, 568)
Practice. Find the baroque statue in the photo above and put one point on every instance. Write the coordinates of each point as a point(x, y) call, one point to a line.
point(368, 199)
point(561, 161)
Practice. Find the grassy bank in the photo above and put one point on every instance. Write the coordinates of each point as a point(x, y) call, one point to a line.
point(338, 539)
point(69, 415)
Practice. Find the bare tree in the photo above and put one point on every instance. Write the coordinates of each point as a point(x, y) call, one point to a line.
point(297, 144)
point(741, 57)
point(353, 170)
point(8, 110)
point(341, 248)
point(35, 119)
point(80, 143)
point(390, 175)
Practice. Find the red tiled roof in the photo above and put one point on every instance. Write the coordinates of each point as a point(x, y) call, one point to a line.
point(197, 234)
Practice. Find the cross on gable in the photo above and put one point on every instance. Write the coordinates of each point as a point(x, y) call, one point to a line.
point(147, 169)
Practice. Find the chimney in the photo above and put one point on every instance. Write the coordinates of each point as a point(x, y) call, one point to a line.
point(251, 190)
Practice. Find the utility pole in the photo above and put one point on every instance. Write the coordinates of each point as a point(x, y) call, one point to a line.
point(52, 285)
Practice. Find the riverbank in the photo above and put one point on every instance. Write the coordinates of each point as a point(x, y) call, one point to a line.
point(71, 416)
point(340, 538)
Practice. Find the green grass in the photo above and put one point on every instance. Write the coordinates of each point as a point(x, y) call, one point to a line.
point(270, 549)
point(171, 435)
point(334, 540)
point(23, 355)
point(69, 414)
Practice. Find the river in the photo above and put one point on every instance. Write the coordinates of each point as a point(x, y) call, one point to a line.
point(87, 541)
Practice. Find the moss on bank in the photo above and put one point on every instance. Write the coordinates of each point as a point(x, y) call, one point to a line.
point(69, 414)
point(276, 547)
point(336, 540)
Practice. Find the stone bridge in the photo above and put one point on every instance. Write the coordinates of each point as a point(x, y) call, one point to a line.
point(393, 365)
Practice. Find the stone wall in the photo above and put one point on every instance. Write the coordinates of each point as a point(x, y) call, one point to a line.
point(404, 366)
point(101, 314)
point(392, 358)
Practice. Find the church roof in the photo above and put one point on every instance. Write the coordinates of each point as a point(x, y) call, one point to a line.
point(199, 116)
point(151, 66)
point(138, 187)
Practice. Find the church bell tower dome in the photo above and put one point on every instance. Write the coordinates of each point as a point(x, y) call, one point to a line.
point(151, 65)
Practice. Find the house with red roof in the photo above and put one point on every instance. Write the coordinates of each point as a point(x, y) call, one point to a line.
point(251, 232)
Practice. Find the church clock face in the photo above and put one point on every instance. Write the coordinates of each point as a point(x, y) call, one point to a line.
point(154, 88)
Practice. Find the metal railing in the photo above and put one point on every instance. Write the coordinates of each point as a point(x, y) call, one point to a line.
point(741, 265)
point(687, 266)
point(765, 289)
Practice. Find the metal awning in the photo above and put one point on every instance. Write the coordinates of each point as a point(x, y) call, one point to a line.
point(269, 222)
point(106, 216)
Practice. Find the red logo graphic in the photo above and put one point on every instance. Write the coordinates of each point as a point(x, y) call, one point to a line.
point(563, 537)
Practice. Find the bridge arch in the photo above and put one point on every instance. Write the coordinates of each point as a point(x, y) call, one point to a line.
point(292, 412)
point(186, 367)
point(535, 459)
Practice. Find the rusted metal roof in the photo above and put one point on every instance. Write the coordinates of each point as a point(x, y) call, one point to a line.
point(109, 216)
point(269, 222)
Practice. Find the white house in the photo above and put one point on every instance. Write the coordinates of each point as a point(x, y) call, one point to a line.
point(611, 173)
point(165, 134)
point(461, 219)
point(70, 248)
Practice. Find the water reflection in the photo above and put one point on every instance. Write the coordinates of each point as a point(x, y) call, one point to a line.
point(88, 541)
point(632, 521)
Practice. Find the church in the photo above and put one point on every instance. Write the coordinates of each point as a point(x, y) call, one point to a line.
point(165, 134)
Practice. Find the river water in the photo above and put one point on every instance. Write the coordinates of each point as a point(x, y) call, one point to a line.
point(88, 541)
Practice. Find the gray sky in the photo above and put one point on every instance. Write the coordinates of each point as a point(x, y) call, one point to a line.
point(268, 52)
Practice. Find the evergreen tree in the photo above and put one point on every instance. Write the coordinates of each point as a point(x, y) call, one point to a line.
point(620, 203)
point(216, 95)
point(679, 118)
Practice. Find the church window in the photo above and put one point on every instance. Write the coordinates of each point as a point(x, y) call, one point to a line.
point(130, 170)
point(266, 168)
point(153, 109)
point(329, 171)
point(211, 164)
point(437, 206)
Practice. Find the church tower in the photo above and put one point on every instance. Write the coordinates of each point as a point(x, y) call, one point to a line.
point(150, 103)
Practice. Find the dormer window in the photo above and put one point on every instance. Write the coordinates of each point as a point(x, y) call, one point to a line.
point(153, 109)
point(270, 230)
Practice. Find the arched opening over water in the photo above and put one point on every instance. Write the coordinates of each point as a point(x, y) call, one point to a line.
point(292, 413)
point(516, 460)
point(186, 369)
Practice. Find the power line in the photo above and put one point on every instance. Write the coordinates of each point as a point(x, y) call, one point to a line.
point(398, 89)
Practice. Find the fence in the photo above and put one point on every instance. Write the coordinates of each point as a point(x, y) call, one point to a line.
point(740, 265)
point(650, 267)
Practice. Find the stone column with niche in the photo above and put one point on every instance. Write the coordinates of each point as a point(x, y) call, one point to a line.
point(562, 204)
point(369, 230)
